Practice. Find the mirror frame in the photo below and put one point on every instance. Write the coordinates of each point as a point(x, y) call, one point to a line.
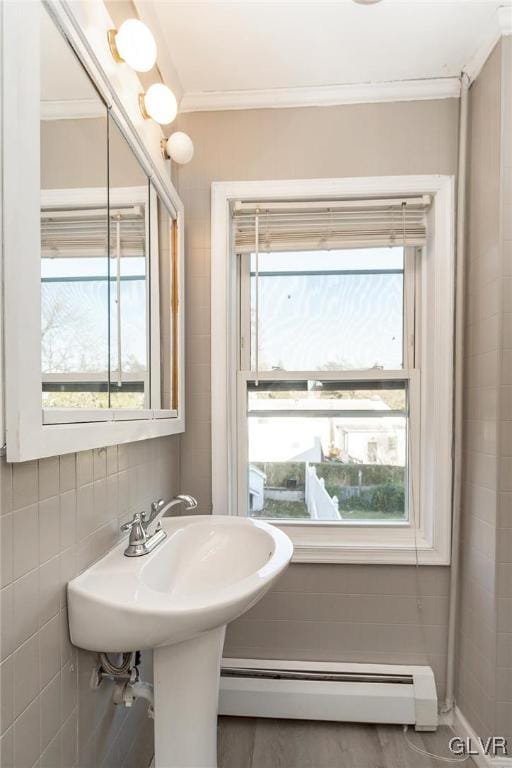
point(27, 437)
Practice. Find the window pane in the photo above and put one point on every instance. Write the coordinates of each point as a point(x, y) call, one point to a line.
point(337, 310)
point(328, 451)
point(74, 342)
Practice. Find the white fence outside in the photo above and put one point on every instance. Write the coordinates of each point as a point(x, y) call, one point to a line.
point(257, 480)
point(320, 505)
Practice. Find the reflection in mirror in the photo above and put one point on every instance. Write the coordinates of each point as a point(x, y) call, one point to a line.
point(129, 271)
point(168, 307)
point(109, 282)
point(74, 230)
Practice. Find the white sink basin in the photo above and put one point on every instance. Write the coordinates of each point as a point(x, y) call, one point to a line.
point(178, 600)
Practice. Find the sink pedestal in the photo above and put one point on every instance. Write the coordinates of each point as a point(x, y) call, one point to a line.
point(186, 681)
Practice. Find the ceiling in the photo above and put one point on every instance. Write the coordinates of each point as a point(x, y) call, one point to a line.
point(246, 46)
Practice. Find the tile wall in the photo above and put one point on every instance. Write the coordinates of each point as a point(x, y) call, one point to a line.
point(58, 516)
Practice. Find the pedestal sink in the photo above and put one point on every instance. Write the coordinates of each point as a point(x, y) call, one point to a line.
point(178, 600)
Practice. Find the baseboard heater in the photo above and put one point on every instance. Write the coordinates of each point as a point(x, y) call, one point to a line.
point(359, 693)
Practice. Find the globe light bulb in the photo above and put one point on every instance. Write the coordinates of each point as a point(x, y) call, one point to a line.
point(159, 103)
point(133, 43)
point(180, 147)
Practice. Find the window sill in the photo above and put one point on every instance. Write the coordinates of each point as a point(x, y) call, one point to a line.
point(389, 544)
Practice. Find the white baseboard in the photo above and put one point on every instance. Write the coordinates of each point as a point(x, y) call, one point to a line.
point(463, 729)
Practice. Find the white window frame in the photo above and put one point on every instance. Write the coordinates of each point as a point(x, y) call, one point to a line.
point(85, 24)
point(426, 538)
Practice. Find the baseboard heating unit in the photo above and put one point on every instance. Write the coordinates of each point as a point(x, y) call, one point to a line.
point(305, 690)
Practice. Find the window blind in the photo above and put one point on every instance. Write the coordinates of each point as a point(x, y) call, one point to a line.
point(331, 224)
point(82, 232)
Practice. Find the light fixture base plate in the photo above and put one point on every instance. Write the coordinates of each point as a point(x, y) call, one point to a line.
point(142, 107)
point(163, 149)
point(111, 36)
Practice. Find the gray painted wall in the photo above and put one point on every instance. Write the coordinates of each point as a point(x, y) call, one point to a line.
point(339, 612)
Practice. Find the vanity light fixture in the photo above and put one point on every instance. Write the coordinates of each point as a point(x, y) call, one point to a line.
point(178, 147)
point(134, 44)
point(158, 103)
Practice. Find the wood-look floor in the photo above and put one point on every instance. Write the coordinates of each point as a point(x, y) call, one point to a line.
point(265, 743)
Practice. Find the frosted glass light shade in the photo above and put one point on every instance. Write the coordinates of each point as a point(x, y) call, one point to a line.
point(180, 147)
point(159, 103)
point(135, 45)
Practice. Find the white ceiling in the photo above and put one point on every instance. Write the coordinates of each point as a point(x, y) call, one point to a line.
point(247, 46)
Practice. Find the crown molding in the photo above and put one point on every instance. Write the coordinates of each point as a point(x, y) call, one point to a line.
point(323, 96)
point(501, 25)
point(72, 109)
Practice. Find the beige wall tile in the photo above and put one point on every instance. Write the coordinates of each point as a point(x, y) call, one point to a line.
point(69, 746)
point(7, 749)
point(25, 607)
point(84, 467)
point(26, 674)
point(27, 735)
point(112, 463)
point(25, 540)
point(6, 622)
point(506, 473)
point(86, 520)
point(50, 701)
point(51, 757)
point(49, 650)
point(6, 553)
point(67, 472)
point(49, 528)
point(49, 589)
point(99, 463)
point(5, 488)
point(67, 519)
point(24, 484)
point(7, 697)
point(49, 479)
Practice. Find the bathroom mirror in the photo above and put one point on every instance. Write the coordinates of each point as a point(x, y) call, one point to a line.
point(107, 272)
point(93, 262)
point(74, 230)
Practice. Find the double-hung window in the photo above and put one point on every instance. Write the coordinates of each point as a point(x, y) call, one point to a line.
point(333, 434)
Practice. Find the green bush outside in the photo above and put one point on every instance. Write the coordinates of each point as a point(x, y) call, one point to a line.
point(387, 498)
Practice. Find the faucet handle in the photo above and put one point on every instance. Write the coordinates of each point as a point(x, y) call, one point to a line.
point(126, 527)
point(135, 528)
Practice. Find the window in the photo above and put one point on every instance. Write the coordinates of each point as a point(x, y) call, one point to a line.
point(321, 446)
point(334, 306)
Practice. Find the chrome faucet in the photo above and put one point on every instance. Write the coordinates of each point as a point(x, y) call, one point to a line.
point(141, 541)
